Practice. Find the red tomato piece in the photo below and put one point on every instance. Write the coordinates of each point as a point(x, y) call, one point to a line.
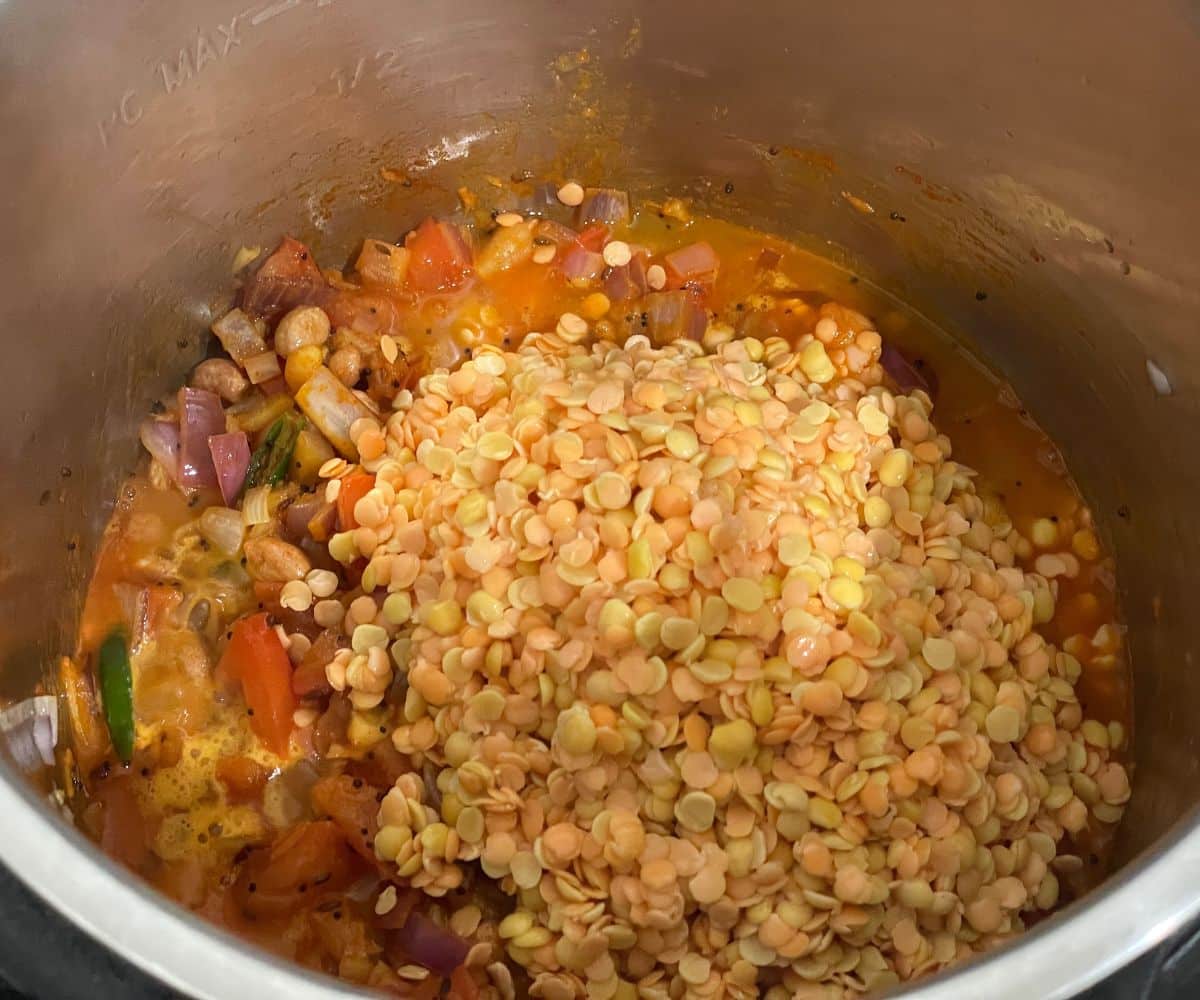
point(256, 658)
point(353, 489)
point(439, 259)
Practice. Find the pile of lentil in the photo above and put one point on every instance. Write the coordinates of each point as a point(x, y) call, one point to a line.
point(580, 601)
point(727, 674)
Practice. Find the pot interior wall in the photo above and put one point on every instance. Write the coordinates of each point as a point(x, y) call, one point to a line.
point(997, 150)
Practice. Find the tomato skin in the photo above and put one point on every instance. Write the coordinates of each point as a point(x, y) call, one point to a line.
point(309, 861)
point(256, 658)
point(244, 779)
point(353, 489)
point(462, 985)
point(439, 259)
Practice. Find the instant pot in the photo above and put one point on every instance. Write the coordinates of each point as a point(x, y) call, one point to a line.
point(1024, 173)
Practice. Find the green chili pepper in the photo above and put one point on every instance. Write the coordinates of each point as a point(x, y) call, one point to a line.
point(258, 461)
point(116, 688)
point(282, 451)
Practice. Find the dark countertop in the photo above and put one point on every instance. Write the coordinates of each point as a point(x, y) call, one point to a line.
point(44, 957)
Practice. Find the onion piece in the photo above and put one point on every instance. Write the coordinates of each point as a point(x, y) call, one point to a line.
point(427, 944)
point(558, 234)
point(606, 205)
point(628, 281)
point(224, 528)
point(581, 264)
point(904, 373)
point(30, 728)
point(288, 278)
point(256, 507)
point(262, 367)
point(671, 315)
point(231, 457)
point(241, 336)
point(200, 417)
point(333, 408)
point(300, 512)
point(161, 439)
point(694, 264)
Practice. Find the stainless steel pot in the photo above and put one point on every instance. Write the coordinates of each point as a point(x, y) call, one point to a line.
point(1044, 154)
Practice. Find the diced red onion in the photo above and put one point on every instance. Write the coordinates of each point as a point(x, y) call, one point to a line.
point(288, 278)
point(695, 264)
point(427, 944)
point(671, 315)
point(231, 457)
point(30, 729)
point(200, 417)
point(556, 232)
point(302, 510)
point(904, 373)
point(161, 439)
point(581, 265)
point(605, 205)
point(628, 281)
point(241, 336)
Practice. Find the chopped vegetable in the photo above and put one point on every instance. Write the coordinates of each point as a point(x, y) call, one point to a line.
point(904, 373)
point(224, 528)
point(695, 264)
point(255, 658)
point(116, 689)
point(241, 336)
point(260, 461)
point(200, 417)
point(231, 459)
point(508, 247)
point(382, 265)
point(161, 439)
point(262, 367)
point(288, 278)
point(256, 506)
point(427, 944)
point(333, 408)
point(309, 861)
point(581, 264)
point(282, 449)
point(605, 205)
point(628, 281)
point(671, 315)
point(439, 258)
point(353, 489)
point(254, 414)
point(89, 736)
point(312, 451)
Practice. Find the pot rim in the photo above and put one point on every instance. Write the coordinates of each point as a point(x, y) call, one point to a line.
point(1138, 907)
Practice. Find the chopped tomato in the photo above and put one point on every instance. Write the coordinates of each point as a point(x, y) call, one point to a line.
point(257, 659)
point(244, 779)
point(124, 836)
point(439, 259)
point(592, 236)
point(354, 488)
point(353, 805)
point(309, 676)
point(463, 985)
point(311, 860)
